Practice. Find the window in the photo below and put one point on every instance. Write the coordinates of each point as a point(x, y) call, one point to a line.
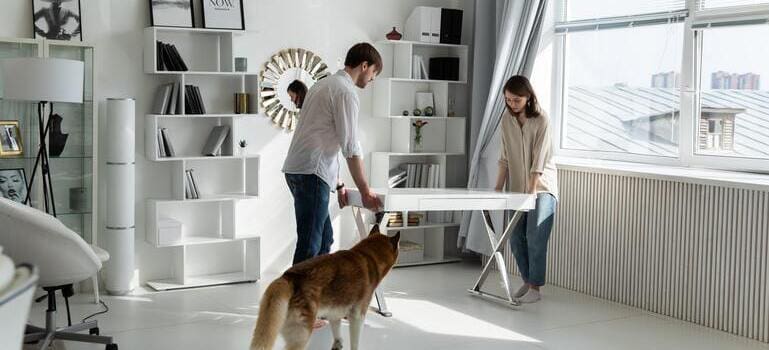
point(733, 98)
point(677, 82)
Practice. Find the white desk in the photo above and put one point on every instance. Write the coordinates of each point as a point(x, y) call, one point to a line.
point(445, 199)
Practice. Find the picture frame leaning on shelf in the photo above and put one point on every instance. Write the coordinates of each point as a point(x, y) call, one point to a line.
point(223, 14)
point(172, 13)
point(10, 139)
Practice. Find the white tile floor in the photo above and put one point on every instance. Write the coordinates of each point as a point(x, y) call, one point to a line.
point(431, 310)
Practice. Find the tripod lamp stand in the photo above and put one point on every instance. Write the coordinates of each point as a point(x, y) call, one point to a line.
point(45, 81)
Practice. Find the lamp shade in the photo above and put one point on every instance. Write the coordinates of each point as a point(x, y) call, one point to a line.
point(42, 79)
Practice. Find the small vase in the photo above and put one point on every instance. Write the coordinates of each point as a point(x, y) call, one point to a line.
point(393, 35)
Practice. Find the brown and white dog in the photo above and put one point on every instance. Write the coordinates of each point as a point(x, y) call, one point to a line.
point(332, 287)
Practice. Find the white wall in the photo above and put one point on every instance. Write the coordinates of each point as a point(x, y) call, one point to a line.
point(327, 27)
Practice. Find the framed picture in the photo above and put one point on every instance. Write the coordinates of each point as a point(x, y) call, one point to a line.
point(10, 139)
point(223, 14)
point(172, 13)
point(13, 184)
point(56, 19)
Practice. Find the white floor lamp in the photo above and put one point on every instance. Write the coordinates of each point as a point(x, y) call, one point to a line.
point(45, 81)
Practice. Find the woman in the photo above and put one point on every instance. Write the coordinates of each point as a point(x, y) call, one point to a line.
point(526, 165)
point(296, 91)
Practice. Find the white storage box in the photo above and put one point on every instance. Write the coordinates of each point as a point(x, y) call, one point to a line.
point(410, 252)
point(170, 231)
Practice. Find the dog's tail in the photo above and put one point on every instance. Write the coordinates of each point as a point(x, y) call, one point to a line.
point(272, 314)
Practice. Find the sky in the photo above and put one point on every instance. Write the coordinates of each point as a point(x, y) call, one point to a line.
point(633, 55)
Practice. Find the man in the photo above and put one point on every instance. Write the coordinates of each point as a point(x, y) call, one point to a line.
point(328, 125)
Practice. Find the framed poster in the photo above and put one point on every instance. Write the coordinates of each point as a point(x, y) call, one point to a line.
point(56, 19)
point(223, 14)
point(172, 13)
point(13, 184)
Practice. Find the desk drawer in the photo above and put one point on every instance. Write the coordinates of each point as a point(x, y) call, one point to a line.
point(463, 204)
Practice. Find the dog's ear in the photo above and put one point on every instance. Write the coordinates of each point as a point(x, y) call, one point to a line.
point(395, 239)
point(374, 230)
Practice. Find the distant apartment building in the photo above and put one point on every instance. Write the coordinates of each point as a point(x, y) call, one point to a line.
point(732, 81)
point(667, 80)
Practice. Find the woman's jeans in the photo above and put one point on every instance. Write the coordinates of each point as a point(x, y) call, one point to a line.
point(529, 240)
point(313, 224)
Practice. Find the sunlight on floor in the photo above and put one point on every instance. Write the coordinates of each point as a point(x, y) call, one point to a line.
point(434, 318)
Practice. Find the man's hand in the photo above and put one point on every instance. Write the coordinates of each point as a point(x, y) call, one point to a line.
point(371, 201)
point(341, 197)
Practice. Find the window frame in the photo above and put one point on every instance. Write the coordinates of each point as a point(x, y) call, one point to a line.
point(695, 24)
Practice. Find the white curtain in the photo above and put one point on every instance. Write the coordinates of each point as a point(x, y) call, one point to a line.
point(518, 31)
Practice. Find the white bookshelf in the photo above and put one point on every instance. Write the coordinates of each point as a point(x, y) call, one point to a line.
point(443, 137)
point(217, 243)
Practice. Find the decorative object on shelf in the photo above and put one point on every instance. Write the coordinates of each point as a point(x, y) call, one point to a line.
point(243, 144)
point(241, 103)
point(10, 139)
point(119, 224)
point(78, 199)
point(56, 19)
point(393, 35)
point(405, 112)
point(56, 140)
point(177, 13)
point(452, 105)
point(418, 125)
point(425, 100)
point(417, 112)
point(284, 68)
point(241, 64)
point(223, 14)
point(45, 81)
point(13, 184)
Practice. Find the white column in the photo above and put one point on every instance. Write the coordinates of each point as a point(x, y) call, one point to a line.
point(118, 236)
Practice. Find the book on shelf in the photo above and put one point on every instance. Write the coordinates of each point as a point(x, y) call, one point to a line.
point(416, 175)
point(193, 101)
point(169, 148)
point(162, 99)
point(215, 140)
point(168, 58)
point(161, 145)
point(191, 185)
point(397, 177)
point(418, 68)
point(175, 93)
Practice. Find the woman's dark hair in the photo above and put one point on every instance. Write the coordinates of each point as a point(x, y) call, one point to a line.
point(298, 87)
point(363, 52)
point(520, 86)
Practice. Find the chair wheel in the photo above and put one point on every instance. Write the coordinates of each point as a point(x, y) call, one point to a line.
point(111, 347)
point(94, 331)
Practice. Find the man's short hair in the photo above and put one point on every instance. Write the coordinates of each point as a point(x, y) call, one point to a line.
point(363, 52)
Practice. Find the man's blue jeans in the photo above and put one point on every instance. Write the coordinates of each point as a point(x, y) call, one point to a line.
point(529, 240)
point(313, 224)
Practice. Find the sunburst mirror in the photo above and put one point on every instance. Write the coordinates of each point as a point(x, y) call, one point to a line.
point(284, 68)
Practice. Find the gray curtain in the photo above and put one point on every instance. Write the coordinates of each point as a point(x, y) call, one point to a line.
point(518, 32)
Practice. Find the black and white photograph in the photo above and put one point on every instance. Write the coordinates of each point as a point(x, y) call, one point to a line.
point(10, 139)
point(57, 19)
point(171, 13)
point(223, 14)
point(13, 184)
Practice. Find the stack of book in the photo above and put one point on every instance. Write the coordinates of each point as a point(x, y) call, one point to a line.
point(422, 175)
point(168, 58)
point(215, 140)
point(396, 219)
point(193, 101)
point(397, 177)
point(165, 148)
point(168, 100)
point(190, 186)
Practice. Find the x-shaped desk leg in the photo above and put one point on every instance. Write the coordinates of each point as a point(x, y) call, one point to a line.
point(363, 232)
point(497, 246)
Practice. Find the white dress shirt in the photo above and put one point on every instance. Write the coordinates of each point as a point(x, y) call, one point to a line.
point(328, 123)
